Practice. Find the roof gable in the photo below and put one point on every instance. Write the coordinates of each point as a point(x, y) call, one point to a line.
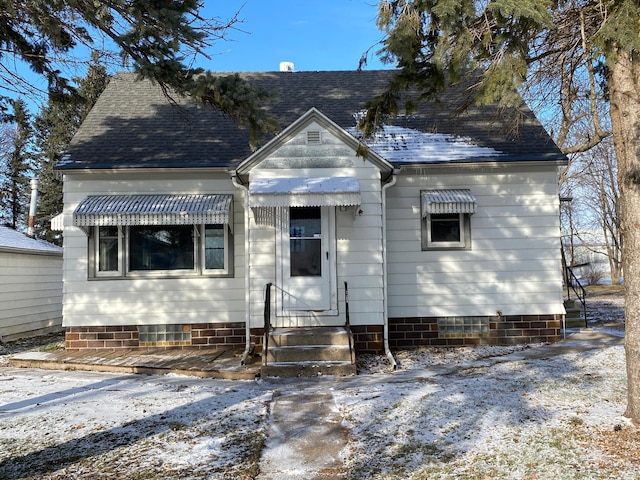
point(311, 117)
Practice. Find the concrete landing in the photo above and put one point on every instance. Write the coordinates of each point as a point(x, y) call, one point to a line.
point(305, 439)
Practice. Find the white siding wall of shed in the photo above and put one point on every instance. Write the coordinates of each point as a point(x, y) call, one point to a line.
point(358, 239)
point(140, 301)
point(30, 293)
point(514, 265)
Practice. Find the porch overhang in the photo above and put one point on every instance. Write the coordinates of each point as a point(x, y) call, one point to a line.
point(448, 201)
point(304, 192)
point(168, 209)
point(266, 195)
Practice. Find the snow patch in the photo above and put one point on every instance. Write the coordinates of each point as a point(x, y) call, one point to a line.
point(406, 145)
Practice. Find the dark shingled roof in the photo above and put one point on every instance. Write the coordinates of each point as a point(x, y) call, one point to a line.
point(133, 125)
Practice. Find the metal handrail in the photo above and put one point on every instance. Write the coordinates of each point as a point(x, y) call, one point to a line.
point(347, 325)
point(267, 320)
point(572, 281)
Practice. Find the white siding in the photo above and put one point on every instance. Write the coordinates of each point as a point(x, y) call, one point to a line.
point(358, 238)
point(514, 264)
point(128, 301)
point(30, 293)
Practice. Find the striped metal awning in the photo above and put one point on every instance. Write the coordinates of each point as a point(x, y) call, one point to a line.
point(448, 201)
point(188, 209)
point(304, 192)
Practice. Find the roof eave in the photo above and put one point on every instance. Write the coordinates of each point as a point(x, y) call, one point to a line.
point(553, 160)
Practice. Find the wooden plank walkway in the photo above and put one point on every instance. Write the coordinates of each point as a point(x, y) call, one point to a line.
point(205, 363)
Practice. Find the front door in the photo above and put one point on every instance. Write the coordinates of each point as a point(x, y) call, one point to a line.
point(306, 261)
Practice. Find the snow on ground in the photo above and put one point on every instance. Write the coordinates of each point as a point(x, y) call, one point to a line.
point(488, 412)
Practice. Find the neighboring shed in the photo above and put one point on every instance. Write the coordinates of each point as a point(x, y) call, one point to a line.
point(30, 286)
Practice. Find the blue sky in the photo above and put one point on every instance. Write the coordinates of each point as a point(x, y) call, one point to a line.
point(314, 35)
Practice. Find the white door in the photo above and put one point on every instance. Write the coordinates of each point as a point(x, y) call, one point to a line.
point(307, 262)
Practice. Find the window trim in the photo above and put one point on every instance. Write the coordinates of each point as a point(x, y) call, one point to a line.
point(96, 255)
point(228, 250)
point(465, 234)
point(124, 272)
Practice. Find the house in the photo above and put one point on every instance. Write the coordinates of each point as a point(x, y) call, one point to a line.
point(30, 286)
point(443, 231)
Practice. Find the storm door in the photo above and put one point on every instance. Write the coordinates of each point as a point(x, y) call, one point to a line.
point(306, 260)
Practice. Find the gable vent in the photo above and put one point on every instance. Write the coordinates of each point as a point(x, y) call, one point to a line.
point(313, 137)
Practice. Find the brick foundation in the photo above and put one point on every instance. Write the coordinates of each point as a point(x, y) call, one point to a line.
point(368, 338)
point(203, 335)
point(403, 333)
point(506, 330)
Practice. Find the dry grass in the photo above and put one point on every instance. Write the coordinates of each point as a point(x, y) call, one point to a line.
point(620, 444)
point(604, 290)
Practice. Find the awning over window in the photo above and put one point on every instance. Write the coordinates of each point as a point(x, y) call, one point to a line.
point(448, 201)
point(102, 210)
point(57, 223)
point(304, 192)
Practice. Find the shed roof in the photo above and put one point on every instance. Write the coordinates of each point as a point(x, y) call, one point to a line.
point(133, 125)
point(12, 240)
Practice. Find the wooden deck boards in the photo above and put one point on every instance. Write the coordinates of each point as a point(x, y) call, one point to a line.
point(201, 363)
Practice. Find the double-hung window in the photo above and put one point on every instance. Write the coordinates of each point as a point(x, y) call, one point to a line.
point(446, 219)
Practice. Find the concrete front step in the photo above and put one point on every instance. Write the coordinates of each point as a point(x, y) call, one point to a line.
point(309, 353)
point(308, 369)
point(574, 317)
point(287, 337)
point(576, 322)
point(573, 312)
point(306, 352)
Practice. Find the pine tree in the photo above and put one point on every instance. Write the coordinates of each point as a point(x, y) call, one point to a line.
point(579, 54)
point(157, 39)
point(17, 170)
point(54, 127)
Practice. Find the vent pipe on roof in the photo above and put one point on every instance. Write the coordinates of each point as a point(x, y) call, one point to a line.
point(286, 66)
point(32, 208)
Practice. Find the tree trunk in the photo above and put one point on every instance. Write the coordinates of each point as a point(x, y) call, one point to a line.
point(624, 89)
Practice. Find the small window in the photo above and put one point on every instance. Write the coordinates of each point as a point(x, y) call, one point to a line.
point(215, 245)
point(446, 231)
point(107, 251)
point(446, 218)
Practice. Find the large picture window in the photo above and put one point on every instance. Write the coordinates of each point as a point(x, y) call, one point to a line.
point(161, 250)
